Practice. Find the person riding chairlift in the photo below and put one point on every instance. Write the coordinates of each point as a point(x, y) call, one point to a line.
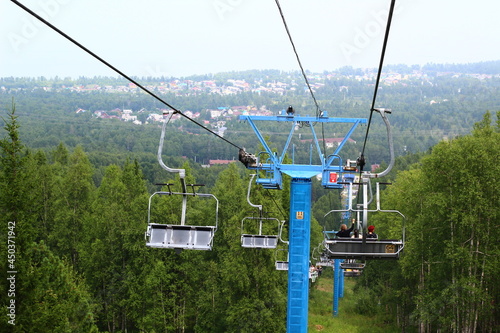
point(371, 233)
point(344, 232)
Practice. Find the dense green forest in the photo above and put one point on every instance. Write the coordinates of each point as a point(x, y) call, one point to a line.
point(448, 279)
point(81, 265)
point(75, 189)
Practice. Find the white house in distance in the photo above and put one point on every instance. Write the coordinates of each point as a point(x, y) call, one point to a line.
point(127, 116)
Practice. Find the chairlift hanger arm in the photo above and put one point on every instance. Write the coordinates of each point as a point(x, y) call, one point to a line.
point(248, 195)
point(281, 232)
point(181, 172)
point(390, 141)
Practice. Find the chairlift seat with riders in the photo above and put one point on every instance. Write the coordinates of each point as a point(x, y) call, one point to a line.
point(350, 248)
point(367, 248)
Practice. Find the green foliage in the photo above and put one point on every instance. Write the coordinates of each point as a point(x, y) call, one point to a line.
point(349, 319)
point(75, 191)
point(52, 297)
point(451, 254)
point(12, 165)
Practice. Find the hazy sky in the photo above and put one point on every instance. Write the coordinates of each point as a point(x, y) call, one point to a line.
point(184, 37)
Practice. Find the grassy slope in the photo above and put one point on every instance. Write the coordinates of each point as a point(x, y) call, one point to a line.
point(321, 309)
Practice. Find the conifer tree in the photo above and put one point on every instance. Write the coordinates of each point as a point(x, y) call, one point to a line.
point(75, 193)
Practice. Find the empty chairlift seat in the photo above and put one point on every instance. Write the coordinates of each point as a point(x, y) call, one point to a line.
point(174, 236)
point(180, 236)
point(258, 239)
point(281, 262)
point(281, 265)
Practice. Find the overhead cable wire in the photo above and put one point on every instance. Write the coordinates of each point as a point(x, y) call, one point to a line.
point(381, 63)
point(361, 160)
point(297, 56)
point(318, 111)
point(277, 206)
point(116, 70)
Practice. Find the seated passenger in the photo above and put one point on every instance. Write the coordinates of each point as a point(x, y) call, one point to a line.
point(371, 233)
point(344, 232)
point(356, 234)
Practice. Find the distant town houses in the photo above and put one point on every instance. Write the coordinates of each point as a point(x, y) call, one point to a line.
point(218, 117)
point(232, 86)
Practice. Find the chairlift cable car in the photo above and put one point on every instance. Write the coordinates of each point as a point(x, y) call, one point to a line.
point(281, 263)
point(366, 248)
point(179, 236)
point(258, 240)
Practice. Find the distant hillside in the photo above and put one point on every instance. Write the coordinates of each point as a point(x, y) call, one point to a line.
point(429, 103)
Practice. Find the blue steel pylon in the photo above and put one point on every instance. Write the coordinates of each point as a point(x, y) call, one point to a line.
point(331, 169)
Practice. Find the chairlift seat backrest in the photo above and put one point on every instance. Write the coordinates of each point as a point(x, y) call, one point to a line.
point(355, 249)
point(352, 265)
